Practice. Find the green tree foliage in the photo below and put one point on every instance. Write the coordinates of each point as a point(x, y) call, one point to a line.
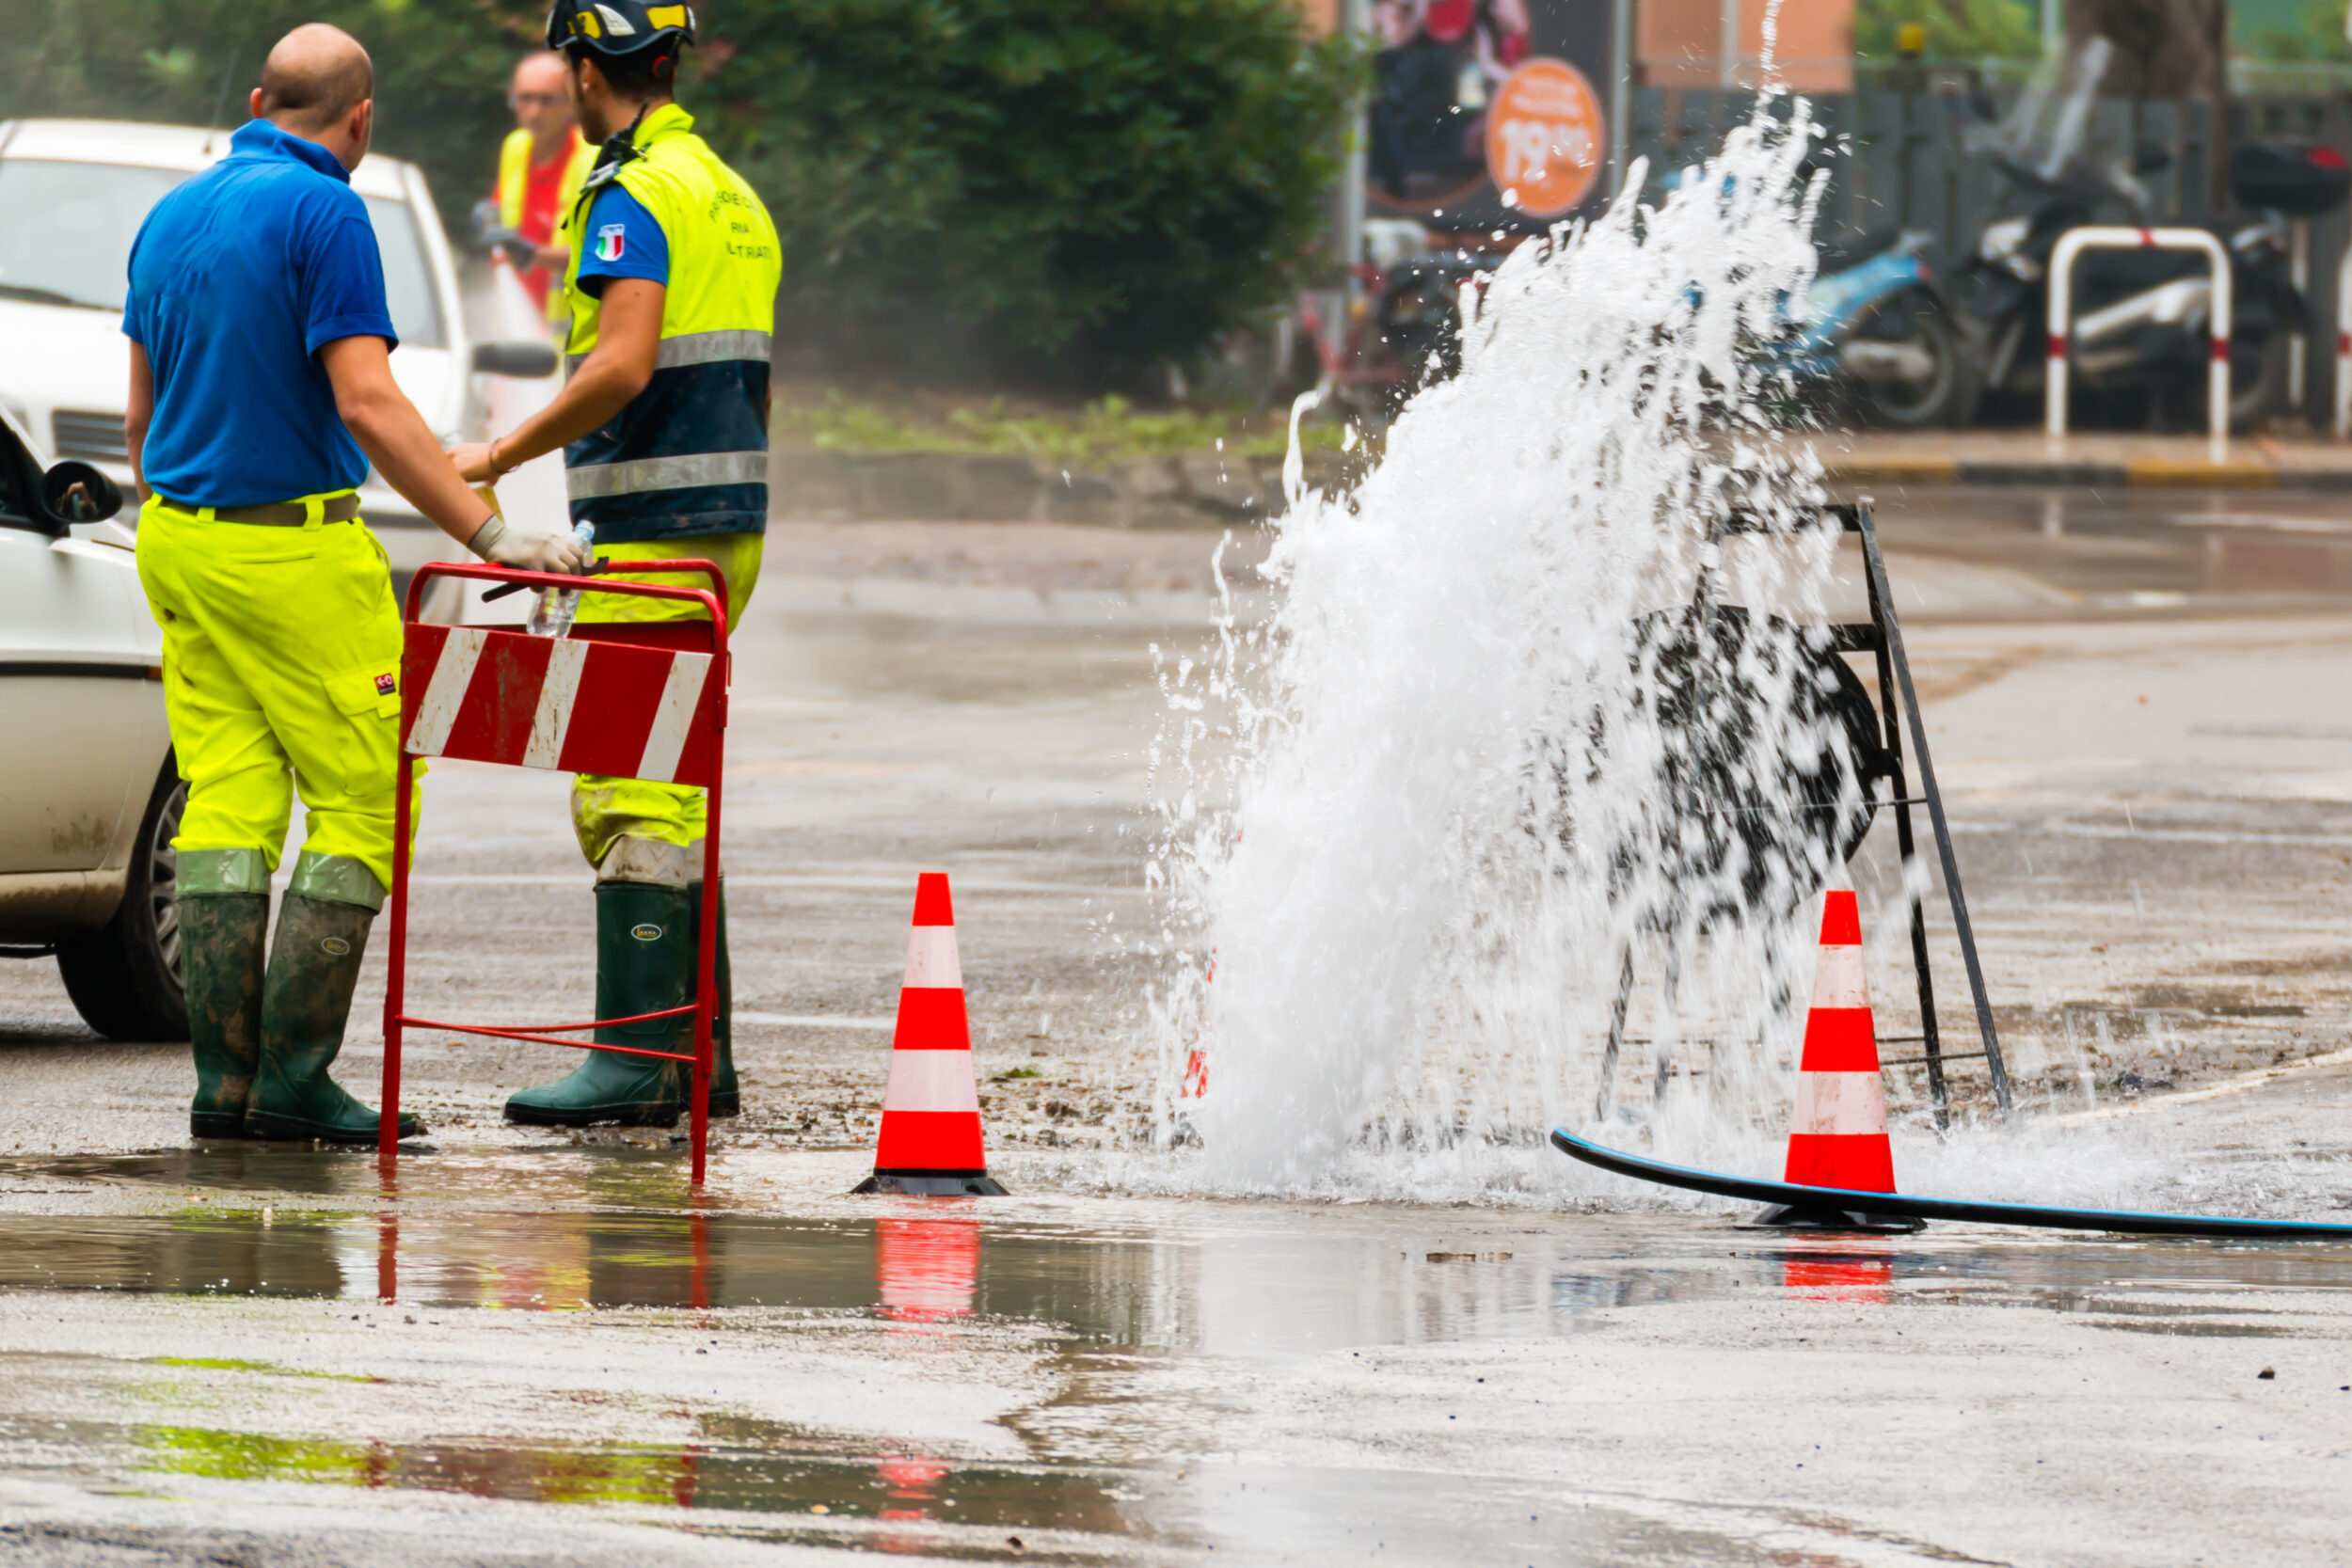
point(1053, 190)
point(1083, 186)
point(2320, 38)
point(1957, 29)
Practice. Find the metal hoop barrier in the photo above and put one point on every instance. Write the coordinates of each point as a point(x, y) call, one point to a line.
point(2343, 347)
point(2101, 237)
point(636, 700)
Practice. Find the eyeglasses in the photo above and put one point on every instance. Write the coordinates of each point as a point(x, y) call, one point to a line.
point(532, 100)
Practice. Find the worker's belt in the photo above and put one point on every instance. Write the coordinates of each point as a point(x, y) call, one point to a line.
point(335, 509)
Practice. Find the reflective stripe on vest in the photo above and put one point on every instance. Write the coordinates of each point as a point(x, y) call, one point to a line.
point(699, 348)
point(642, 474)
point(689, 454)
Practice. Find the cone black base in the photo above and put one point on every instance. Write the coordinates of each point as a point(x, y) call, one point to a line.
point(932, 1183)
point(1783, 1216)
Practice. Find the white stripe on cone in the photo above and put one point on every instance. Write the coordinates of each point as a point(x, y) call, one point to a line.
point(1839, 1103)
point(931, 961)
point(931, 1081)
point(1837, 979)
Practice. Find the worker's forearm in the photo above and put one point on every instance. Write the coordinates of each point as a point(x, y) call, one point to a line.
point(135, 443)
point(138, 411)
point(413, 464)
point(596, 391)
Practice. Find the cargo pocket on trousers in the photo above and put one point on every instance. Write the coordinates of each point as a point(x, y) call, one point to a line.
point(368, 697)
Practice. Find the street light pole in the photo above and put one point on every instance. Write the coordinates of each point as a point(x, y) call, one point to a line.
point(1356, 16)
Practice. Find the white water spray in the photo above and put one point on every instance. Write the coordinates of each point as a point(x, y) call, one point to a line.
point(1481, 750)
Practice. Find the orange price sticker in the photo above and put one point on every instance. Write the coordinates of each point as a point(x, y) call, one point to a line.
point(1545, 137)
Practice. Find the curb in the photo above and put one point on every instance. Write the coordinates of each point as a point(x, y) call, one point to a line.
point(2146, 473)
point(1210, 490)
point(1193, 490)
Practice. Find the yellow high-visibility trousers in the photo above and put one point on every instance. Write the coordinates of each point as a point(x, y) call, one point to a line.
point(606, 809)
point(281, 654)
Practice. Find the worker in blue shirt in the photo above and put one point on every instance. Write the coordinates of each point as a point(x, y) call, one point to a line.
point(260, 392)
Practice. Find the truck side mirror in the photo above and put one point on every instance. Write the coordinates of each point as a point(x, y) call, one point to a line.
point(77, 493)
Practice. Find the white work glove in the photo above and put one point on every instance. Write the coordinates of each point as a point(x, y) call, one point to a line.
point(501, 546)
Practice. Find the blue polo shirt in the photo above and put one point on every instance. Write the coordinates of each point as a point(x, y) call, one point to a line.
point(238, 279)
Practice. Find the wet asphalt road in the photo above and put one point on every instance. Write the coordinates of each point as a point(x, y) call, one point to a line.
point(529, 1347)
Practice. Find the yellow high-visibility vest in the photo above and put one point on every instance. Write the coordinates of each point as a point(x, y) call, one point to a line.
point(514, 172)
point(689, 454)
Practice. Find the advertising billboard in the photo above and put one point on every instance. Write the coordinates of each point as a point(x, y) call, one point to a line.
point(1493, 114)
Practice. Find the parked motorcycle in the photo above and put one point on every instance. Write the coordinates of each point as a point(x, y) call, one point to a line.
point(2139, 332)
point(1874, 329)
point(1871, 336)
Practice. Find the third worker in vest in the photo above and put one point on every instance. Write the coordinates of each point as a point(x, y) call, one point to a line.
point(542, 164)
point(663, 422)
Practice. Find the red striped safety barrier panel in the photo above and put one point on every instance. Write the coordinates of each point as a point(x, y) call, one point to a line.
point(572, 705)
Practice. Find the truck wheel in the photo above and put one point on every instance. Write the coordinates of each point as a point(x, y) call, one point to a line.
point(124, 978)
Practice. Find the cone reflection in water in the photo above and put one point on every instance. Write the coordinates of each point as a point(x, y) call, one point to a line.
point(926, 1270)
point(1838, 1136)
point(911, 1483)
point(930, 1142)
point(1845, 1277)
point(1196, 1079)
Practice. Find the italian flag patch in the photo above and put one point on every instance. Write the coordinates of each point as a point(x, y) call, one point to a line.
point(611, 241)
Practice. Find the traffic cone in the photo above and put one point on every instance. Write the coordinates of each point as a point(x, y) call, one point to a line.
point(930, 1121)
point(1837, 1135)
point(1196, 1080)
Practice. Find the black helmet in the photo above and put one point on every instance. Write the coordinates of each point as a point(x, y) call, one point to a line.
point(620, 29)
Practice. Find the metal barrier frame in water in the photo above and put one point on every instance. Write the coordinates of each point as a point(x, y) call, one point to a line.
point(1881, 637)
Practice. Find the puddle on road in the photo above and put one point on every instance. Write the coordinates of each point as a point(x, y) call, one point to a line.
point(732, 1466)
point(1094, 1289)
point(606, 1228)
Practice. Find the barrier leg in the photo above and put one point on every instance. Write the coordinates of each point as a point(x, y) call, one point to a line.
point(706, 994)
point(1884, 597)
point(396, 962)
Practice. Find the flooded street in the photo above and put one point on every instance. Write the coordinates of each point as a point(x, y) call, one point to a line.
point(522, 1359)
point(522, 1347)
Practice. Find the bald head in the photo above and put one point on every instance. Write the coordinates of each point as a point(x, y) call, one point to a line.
point(540, 103)
point(315, 79)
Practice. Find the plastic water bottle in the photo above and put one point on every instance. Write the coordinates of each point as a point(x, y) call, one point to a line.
point(551, 613)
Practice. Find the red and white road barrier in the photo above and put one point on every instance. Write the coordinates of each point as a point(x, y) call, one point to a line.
point(2114, 237)
point(507, 697)
point(637, 700)
point(930, 1122)
point(1838, 1136)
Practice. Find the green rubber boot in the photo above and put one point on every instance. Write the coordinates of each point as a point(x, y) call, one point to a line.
point(726, 1090)
point(645, 964)
point(224, 926)
point(314, 968)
